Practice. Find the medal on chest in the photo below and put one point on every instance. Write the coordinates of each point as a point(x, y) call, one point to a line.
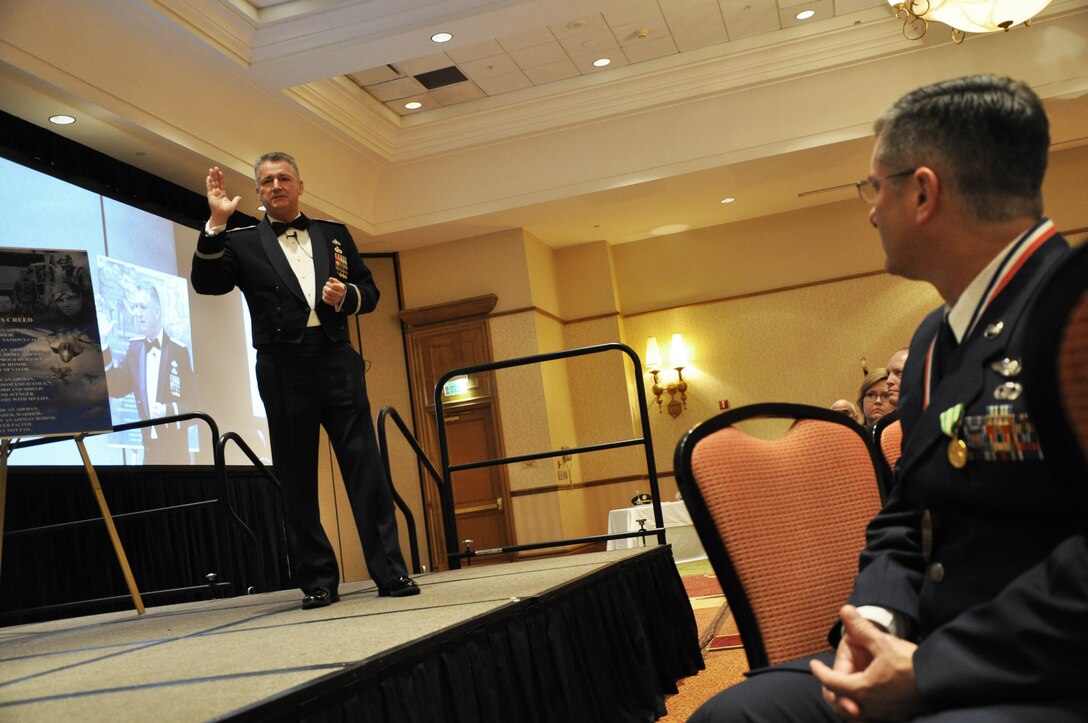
point(951, 420)
point(339, 260)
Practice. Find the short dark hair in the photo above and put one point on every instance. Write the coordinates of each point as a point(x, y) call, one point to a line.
point(273, 157)
point(989, 134)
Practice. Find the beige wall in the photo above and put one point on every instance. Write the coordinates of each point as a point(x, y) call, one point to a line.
point(824, 242)
point(492, 264)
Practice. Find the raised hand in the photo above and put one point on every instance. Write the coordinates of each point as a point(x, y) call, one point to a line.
point(219, 201)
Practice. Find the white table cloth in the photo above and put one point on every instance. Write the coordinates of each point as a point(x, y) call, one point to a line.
point(679, 531)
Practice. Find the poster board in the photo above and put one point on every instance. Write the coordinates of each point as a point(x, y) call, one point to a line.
point(52, 373)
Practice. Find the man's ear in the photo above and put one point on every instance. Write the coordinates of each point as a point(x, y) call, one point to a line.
point(926, 190)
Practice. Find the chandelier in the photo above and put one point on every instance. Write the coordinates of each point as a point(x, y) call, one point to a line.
point(964, 16)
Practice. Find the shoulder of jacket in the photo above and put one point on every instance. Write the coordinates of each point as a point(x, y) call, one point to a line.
point(329, 221)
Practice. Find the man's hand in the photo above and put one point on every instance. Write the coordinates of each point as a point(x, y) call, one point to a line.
point(332, 293)
point(873, 673)
point(219, 201)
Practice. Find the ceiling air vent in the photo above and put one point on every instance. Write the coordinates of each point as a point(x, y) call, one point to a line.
point(440, 78)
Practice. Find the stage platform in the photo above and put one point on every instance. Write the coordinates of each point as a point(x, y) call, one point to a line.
point(597, 637)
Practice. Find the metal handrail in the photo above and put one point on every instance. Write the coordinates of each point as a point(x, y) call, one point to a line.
point(388, 412)
point(224, 488)
point(219, 458)
point(449, 513)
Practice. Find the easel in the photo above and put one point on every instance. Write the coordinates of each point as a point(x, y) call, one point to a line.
point(100, 498)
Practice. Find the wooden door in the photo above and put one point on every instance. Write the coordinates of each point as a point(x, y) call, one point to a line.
point(479, 494)
point(470, 410)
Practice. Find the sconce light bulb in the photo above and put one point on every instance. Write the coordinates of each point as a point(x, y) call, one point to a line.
point(653, 355)
point(678, 352)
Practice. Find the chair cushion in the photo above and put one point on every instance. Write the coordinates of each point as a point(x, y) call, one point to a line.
point(792, 514)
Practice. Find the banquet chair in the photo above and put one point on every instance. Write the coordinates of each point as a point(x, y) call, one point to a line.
point(888, 439)
point(782, 520)
point(1055, 367)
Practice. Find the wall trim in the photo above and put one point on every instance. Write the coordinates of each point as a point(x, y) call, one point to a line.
point(585, 485)
point(719, 300)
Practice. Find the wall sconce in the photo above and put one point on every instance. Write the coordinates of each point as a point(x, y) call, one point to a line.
point(678, 359)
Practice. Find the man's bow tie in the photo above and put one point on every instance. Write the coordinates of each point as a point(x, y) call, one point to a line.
point(279, 227)
point(150, 344)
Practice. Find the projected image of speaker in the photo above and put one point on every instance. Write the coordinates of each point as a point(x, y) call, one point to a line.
point(145, 325)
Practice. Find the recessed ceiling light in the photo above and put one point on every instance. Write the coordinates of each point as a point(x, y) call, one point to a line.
point(728, 199)
point(62, 120)
point(442, 37)
point(601, 62)
point(261, 208)
point(413, 105)
point(669, 229)
point(805, 14)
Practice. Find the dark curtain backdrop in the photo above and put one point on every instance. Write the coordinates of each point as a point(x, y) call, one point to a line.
point(167, 550)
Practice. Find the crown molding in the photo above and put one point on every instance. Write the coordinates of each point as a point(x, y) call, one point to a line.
point(223, 26)
point(341, 104)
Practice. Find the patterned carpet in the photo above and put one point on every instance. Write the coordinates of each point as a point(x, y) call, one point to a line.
point(722, 652)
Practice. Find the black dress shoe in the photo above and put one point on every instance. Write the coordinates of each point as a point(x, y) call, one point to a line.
point(319, 597)
point(402, 586)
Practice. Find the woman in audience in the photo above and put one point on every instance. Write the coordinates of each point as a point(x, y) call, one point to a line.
point(874, 399)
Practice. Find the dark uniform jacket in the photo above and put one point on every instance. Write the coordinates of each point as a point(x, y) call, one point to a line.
point(252, 260)
point(988, 562)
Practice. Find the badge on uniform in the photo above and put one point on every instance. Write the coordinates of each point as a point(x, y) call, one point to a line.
point(993, 330)
point(951, 420)
point(1007, 367)
point(175, 379)
point(339, 260)
point(1003, 435)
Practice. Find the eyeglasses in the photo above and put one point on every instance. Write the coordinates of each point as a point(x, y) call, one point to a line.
point(870, 187)
point(882, 396)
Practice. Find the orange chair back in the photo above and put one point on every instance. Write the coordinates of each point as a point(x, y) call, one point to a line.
point(891, 443)
point(783, 522)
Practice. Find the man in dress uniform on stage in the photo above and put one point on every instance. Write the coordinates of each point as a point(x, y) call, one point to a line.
point(302, 279)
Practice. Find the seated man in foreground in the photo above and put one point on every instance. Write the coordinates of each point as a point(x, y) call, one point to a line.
point(971, 603)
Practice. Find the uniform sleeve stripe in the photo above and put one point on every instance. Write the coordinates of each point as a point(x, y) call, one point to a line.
point(210, 257)
point(358, 299)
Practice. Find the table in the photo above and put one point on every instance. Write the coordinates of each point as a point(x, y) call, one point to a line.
point(679, 531)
